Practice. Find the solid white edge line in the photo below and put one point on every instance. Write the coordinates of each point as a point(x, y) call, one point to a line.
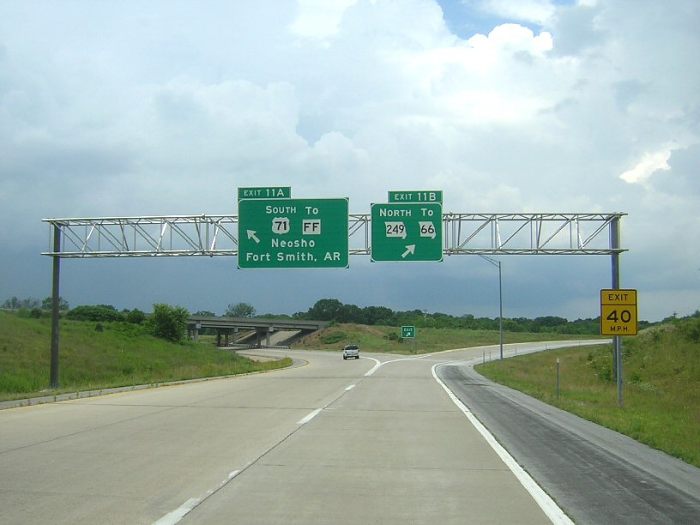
point(309, 417)
point(545, 502)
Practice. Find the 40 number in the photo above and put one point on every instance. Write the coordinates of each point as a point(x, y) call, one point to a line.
point(625, 316)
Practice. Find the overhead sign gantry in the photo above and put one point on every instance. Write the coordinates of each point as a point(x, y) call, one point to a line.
point(272, 230)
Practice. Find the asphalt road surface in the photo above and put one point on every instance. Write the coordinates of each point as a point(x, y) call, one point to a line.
point(596, 475)
point(375, 440)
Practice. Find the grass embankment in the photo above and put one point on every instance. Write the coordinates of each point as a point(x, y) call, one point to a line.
point(385, 339)
point(661, 372)
point(121, 355)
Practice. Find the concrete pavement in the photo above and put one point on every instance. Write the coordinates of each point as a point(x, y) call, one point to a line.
point(322, 443)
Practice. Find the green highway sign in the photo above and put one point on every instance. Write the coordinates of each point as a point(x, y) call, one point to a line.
point(407, 232)
point(416, 196)
point(293, 233)
point(408, 332)
point(272, 192)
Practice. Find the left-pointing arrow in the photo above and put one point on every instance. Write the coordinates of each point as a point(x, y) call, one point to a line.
point(410, 248)
point(251, 235)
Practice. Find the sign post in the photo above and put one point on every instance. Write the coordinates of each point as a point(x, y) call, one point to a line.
point(293, 233)
point(409, 332)
point(618, 316)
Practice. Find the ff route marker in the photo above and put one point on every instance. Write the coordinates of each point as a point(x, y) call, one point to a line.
point(618, 312)
point(293, 233)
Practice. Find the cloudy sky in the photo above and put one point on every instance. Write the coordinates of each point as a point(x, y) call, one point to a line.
point(166, 107)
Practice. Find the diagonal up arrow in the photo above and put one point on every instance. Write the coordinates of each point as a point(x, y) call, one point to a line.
point(251, 235)
point(410, 248)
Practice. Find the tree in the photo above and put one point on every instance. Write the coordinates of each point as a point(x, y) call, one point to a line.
point(136, 316)
point(240, 310)
point(97, 313)
point(204, 313)
point(11, 304)
point(326, 310)
point(16, 304)
point(169, 322)
point(47, 304)
point(378, 314)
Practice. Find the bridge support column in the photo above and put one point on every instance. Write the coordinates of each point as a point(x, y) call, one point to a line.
point(218, 337)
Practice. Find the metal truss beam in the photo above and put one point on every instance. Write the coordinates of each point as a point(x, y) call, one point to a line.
point(217, 235)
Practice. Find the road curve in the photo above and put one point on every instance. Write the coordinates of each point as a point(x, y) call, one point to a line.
point(371, 441)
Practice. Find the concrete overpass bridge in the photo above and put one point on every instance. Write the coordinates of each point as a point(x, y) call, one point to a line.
point(241, 330)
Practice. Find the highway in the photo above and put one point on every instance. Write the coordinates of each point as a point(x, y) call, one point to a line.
point(375, 440)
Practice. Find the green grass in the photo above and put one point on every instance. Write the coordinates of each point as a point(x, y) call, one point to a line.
point(661, 372)
point(121, 355)
point(384, 339)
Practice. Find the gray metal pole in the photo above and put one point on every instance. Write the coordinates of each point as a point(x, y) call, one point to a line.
point(55, 304)
point(500, 308)
point(617, 340)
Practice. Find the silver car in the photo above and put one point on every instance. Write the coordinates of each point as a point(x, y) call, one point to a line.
point(351, 351)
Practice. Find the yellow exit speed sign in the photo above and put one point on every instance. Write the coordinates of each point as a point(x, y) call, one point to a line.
point(618, 312)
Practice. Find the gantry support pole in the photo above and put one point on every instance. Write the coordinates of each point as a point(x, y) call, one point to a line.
point(617, 340)
point(55, 306)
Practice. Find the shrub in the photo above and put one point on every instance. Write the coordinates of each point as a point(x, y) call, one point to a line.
point(169, 322)
point(333, 338)
point(691, 330)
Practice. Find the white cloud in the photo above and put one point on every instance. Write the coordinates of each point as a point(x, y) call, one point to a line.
point(319, 19)
point(163, 110)
point(649, 164)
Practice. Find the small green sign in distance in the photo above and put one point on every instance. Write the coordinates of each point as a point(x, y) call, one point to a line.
point(407, 232)
point(293, 233)
point(271, 192)
point(416, 196)
point(408, 332)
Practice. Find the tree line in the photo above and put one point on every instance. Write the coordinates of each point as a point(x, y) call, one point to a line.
point(334, 310)
point(331, 310)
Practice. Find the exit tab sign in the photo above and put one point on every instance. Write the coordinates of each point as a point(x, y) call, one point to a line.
point(272, 192)
point(416, 196)
point(618, 312)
